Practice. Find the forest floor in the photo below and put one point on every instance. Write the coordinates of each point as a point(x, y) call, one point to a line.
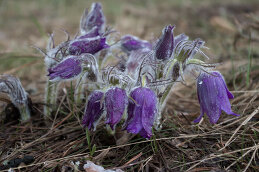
point(231, 31)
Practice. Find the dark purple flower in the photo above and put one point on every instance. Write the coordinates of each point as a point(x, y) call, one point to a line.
point(95, 18)
point(91, 34)
point(87, 45)
point(66, 69)
point(213, 96)
point(115, 103)
point(130, 43)
point(141, 111)
point(93, 110)
point(165, 45)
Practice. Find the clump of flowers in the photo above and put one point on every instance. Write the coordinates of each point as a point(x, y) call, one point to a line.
point(131, 86)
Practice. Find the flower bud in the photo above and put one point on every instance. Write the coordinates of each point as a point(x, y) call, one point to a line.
point(95, 18)
point(69, 68)
point(165, 45)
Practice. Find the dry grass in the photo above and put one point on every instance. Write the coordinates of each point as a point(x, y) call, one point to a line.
point(230, 145)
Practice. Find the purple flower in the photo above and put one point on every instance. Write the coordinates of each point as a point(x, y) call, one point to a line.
point(66, 69)
point(115, 103)
point(213, 96)
point(95, 18)
point(87, 45)
point(130, 43)
point(141, 111)
point(93, 110)
point(165, 45)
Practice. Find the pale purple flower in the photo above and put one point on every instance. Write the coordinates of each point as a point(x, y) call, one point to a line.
point(93, 110)
point(179, 38)
point(87, 45)
point(141, 111)
point(165, 45)
point(115, 103)
point(69, 68)
point(131, 43)
point(135, 59)
point(90, 34)
point(95, 18)
point(213, 96)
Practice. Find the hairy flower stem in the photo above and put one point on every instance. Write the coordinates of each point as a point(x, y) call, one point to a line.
point(169, 88)
point(79, 90)
point(50, 98)
point(163, 100)
point(24, 112)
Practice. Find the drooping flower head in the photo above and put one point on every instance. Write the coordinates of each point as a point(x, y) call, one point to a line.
point(213, 96)
point(165, 45)
point(93, 110)
point(87, 45)
point(95, 18)
point(131, 43)
point(73, 66)
point(12, 88)
point(69, 68)
point(141, 111)
point(115, 103)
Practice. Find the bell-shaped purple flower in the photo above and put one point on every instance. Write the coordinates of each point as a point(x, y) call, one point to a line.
point(165, 45)
point(87, 45)
point(141, 111)
point(115, 103)
point(69, 68)
point(95, 18)
point(93, 110)
point(213, 96)
point(131, 43)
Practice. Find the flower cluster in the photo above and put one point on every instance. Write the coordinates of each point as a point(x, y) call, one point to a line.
point(132, 77)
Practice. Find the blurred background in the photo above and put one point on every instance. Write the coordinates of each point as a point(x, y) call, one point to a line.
point(229, 27)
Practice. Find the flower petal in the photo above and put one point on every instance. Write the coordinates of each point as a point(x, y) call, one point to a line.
point(115, 103)
point(87, 45)
point(93, 110)
point(141, 111)
point(130, 43)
